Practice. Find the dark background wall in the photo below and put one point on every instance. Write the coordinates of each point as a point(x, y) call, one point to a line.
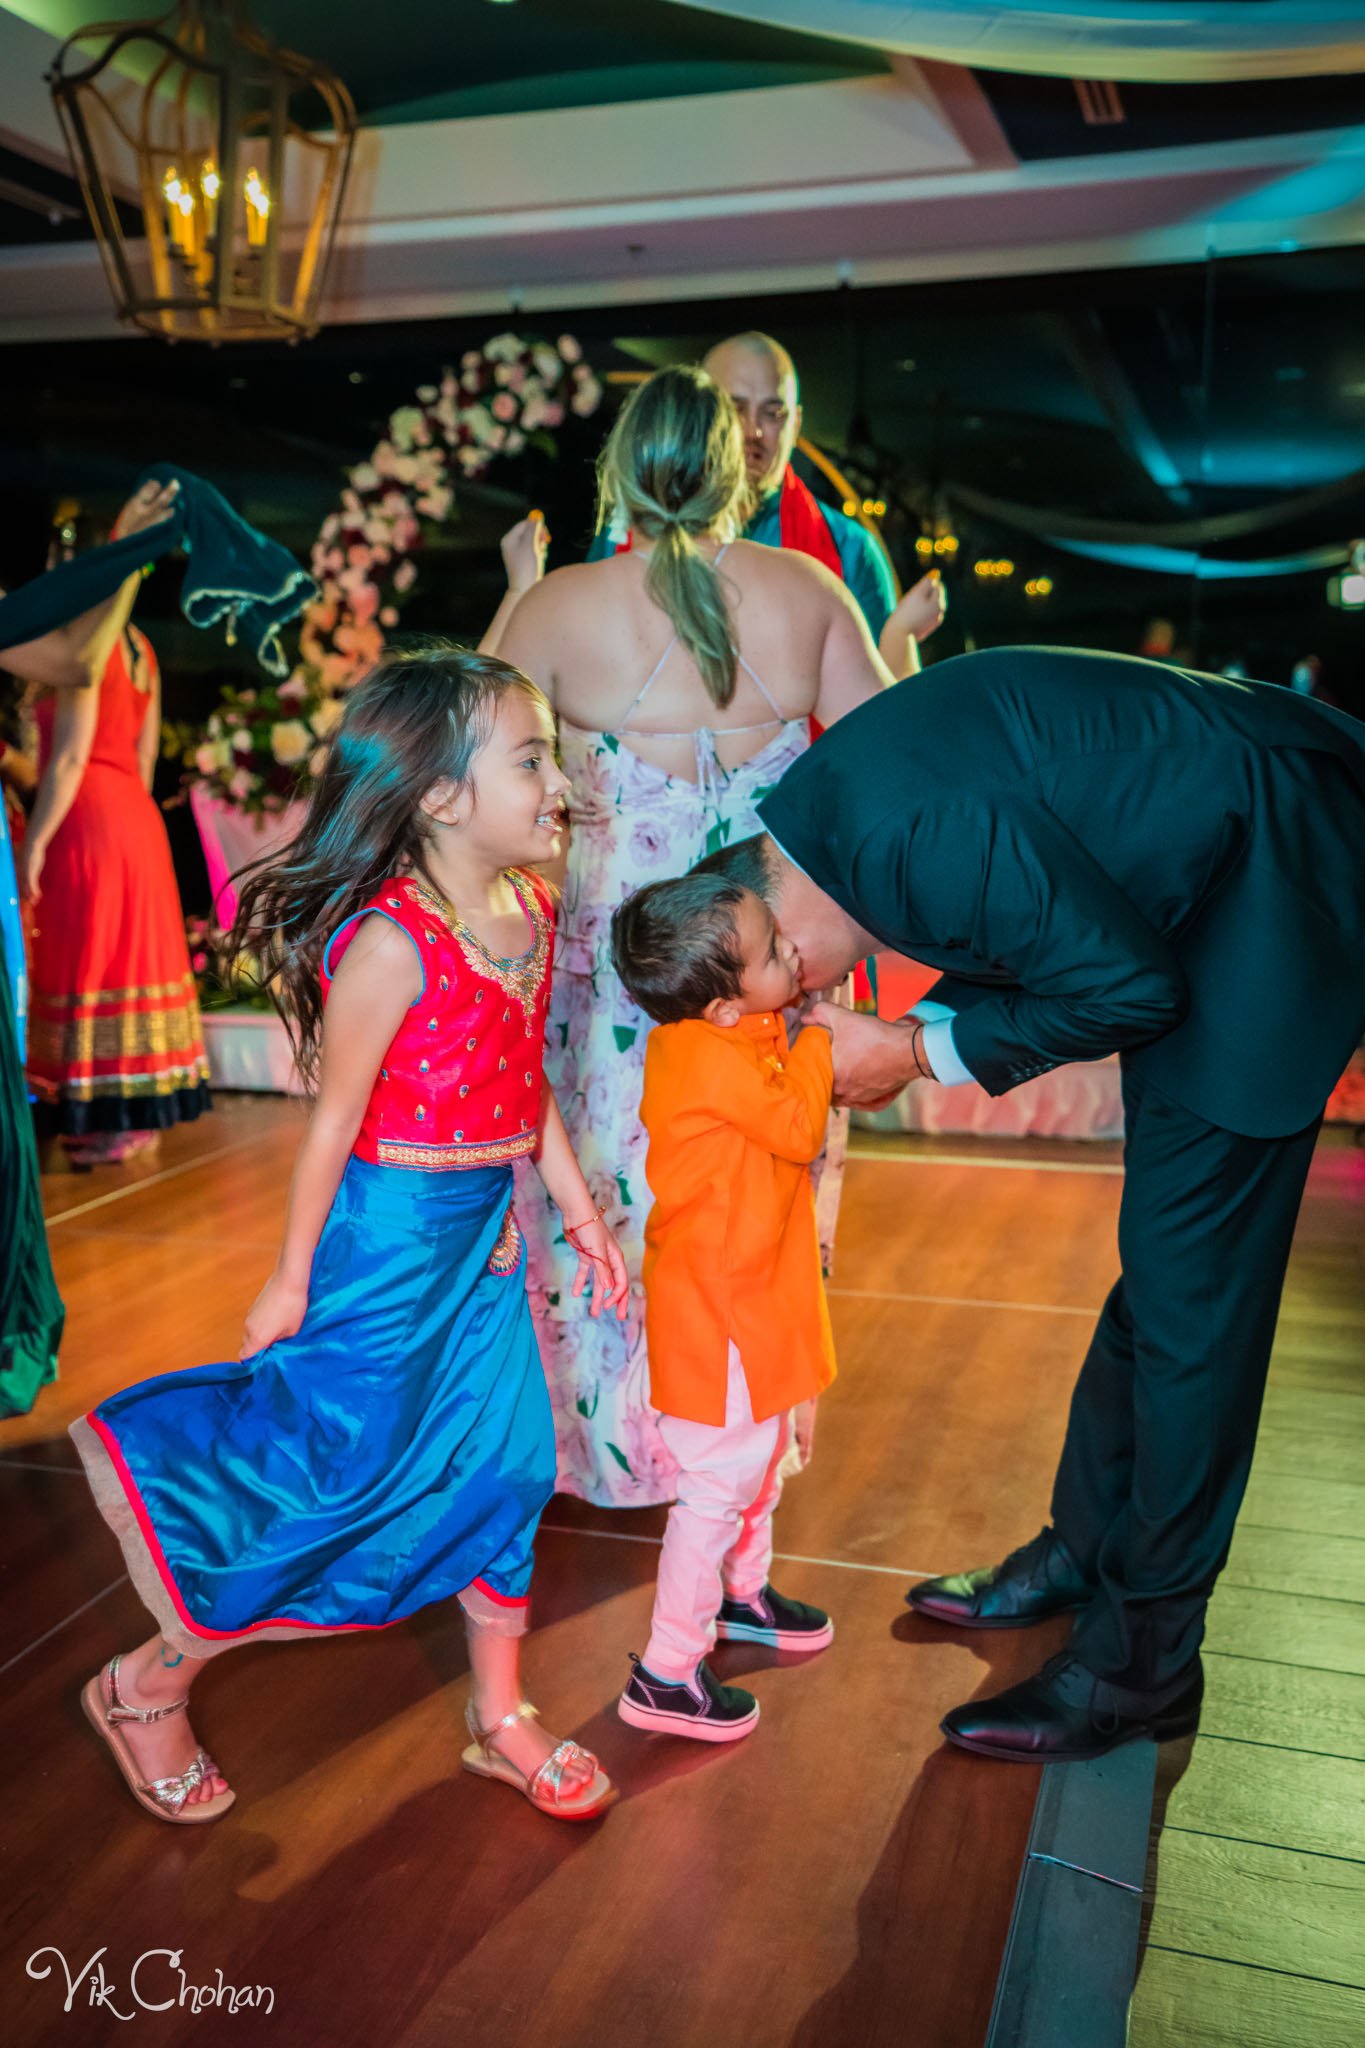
point(1149, 397)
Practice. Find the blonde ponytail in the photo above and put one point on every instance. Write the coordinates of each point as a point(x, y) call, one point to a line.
point(673, 468)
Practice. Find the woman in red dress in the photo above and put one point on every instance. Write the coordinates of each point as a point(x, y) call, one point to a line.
point(116, 1051)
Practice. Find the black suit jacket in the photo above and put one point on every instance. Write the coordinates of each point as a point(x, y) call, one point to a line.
point(1102, 854)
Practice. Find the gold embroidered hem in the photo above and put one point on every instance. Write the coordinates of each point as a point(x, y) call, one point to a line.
point(91, 999)
point(70, 1042)
point(131, 1087)
point(451, 1158)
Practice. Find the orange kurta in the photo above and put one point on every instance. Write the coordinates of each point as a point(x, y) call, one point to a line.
point(735, 1118)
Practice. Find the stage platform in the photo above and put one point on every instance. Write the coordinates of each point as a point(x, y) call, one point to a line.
point(840, 1880)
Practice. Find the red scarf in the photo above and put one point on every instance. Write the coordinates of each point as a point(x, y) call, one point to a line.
point(803, 525)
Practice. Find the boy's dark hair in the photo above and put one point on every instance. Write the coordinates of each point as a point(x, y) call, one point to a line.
point(675, 947)
point(748, 862)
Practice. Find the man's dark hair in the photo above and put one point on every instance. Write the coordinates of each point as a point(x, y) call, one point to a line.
point(749, 862)
point(675, 947)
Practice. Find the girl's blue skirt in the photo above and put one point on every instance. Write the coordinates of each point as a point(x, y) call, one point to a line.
point(397, 1450)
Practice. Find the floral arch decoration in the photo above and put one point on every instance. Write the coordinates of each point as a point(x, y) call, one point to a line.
point(262, 745)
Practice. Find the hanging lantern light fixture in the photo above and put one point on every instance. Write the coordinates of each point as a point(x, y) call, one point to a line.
point(213, 166)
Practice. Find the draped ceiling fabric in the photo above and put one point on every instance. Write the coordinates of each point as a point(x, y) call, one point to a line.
point(1171, 548)
point(1148, 40)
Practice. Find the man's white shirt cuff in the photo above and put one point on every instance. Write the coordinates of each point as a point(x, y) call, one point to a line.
point(939, 1049)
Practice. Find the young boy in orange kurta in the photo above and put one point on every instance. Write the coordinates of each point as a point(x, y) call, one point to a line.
point(735, 1312)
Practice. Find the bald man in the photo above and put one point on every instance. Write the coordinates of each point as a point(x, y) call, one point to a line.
point(760, 377)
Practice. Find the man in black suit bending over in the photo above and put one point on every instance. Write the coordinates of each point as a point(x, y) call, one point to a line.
point(1103, 854)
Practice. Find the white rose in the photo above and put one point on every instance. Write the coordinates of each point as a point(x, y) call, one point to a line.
point(290, 742)
point(242, 741)
point(403, 426)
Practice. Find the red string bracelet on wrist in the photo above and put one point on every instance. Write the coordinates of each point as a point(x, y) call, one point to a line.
point(571, 1235)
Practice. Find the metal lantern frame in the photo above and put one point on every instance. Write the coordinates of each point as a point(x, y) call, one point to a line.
point(218, 268)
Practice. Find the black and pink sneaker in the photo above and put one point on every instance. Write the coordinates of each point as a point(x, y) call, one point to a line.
point(701, 1707)
point(773, 1619)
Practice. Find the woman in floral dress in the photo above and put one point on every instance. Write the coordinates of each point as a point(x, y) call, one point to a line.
point(684, 672)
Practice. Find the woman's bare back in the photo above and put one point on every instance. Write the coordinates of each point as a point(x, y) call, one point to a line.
point(591, 638)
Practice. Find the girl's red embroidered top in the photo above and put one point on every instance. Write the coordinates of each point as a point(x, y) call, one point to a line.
point(460, 1084)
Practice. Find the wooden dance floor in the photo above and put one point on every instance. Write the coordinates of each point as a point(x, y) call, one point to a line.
point(839, 1880)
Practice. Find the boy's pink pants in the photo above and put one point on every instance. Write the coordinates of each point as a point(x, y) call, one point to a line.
point(719, 1539)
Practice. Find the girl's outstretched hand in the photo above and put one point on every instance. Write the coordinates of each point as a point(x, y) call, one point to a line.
point(278, 1311)
point(600, 1258)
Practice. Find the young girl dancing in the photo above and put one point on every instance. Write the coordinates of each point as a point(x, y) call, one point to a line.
point(385, 1439)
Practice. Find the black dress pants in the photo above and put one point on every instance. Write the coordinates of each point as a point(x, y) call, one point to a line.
point(1164, 1415)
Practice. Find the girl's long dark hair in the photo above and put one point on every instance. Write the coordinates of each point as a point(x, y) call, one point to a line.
point(416, 719)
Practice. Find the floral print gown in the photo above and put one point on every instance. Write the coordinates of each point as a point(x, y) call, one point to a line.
point(632, 823)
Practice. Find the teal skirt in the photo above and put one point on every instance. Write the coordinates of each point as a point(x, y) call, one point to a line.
point(398, 1449)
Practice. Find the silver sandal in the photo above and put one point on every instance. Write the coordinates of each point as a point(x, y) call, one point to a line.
point(165, 1797)
point(545, 1785)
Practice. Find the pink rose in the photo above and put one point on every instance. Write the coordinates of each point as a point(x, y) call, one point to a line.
point(405, 575)
point(504, 406)
point(569, 348)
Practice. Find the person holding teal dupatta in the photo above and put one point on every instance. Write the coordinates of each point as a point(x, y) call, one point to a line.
point(56, 630)
point(31, 1312)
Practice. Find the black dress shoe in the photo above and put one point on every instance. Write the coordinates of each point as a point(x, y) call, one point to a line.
point(1065, 1714)
point(1038, 1579)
